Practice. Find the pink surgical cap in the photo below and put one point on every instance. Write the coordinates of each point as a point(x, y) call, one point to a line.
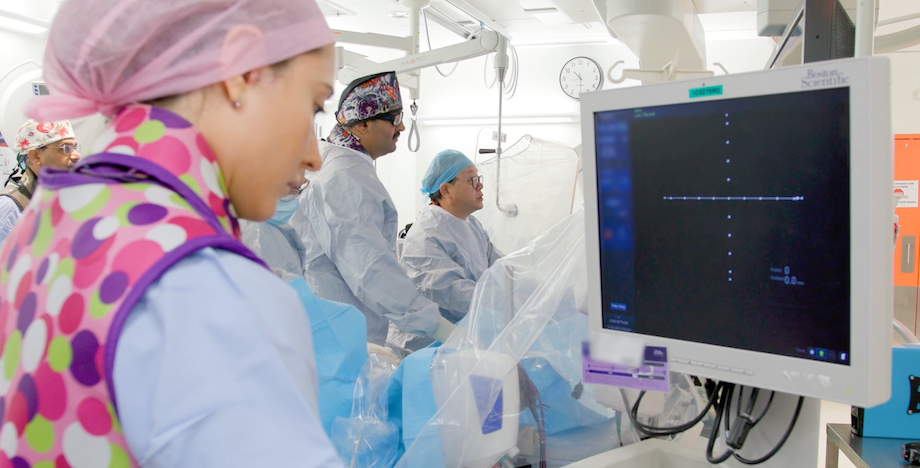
point(104, 54)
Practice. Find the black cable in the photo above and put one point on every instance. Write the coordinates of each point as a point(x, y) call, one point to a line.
point(722, 398)
point(770, 454)
point(740, 399)
point(752, 400)
point(531, 398)
point(727, 389)
point(738, 434)
point(767, 408)
point(728, 406)
point(664, 431)
point(542, 432)
point(17, 169)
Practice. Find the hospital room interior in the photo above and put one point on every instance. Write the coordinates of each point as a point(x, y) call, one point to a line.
point(530, 233)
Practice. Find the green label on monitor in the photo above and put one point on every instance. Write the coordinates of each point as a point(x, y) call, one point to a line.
point(706, 92)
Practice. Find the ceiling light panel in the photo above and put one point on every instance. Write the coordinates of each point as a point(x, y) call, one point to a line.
point(16, 25)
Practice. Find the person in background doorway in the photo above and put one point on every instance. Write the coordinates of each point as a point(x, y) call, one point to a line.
point(348, 221)
point(38, 145)
point(447, 250)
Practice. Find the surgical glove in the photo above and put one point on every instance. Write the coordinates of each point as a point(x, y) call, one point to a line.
point(444, 330)
point(373, 348)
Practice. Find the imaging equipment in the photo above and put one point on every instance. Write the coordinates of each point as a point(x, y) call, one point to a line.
point(744, 222)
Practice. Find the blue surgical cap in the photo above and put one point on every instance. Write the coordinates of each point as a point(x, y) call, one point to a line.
point(445, 166)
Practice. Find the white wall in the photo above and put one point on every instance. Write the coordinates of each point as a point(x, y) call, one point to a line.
point(16, 48)
point(464, 94)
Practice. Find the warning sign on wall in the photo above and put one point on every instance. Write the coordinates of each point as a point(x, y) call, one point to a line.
point(908, 191)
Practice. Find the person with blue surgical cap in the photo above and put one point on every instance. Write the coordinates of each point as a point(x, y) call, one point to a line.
point(446, 251)
point(348, 222)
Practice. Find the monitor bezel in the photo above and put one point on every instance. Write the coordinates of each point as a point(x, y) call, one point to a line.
point(866, 380)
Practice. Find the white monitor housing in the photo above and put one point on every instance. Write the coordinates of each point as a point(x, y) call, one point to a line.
point(744, 222)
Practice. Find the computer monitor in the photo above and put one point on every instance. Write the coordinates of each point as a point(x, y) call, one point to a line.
point(744, 222)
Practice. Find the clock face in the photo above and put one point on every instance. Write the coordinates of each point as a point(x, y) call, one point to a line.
point(580, 75)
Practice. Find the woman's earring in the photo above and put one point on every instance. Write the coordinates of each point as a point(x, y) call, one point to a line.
point(238, 103)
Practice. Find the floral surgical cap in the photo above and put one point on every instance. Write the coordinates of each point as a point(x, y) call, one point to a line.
point(368, 97)
point(33, 134)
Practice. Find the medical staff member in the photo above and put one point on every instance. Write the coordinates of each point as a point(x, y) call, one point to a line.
point(38, 145)
point(348, 221)
point(338, 330)
point(447, 250)
point(142, 332)
point(275, 241)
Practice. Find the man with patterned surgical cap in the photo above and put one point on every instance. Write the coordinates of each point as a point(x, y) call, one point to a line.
point(447, 250)
point(348, 221)
point(38, 145)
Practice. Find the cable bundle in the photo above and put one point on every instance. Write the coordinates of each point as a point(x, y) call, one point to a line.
point(721, 396)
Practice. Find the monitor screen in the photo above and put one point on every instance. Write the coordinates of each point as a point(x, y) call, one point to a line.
point(39, 88)
point(715, 228)
point(745, 223)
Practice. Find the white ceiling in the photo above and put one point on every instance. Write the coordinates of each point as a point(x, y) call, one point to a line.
point(721, 18)
point(727, 19)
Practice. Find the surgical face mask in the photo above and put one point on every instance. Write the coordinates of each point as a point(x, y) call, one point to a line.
point(284, 210)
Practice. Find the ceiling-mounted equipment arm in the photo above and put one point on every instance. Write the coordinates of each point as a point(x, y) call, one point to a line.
point(484, 42)
point(351, 60)
point(372, 39)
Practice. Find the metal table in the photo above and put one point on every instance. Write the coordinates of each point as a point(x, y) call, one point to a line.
point(864, 452)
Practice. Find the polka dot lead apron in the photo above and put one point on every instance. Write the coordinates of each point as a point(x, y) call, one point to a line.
point(92, 240)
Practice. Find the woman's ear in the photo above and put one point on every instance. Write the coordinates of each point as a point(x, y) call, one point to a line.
point(241, 44)
point(234, 89)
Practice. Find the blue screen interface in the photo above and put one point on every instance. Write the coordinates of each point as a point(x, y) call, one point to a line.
point(727, 222)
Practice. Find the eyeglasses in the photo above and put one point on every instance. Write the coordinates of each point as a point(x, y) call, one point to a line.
point(474, 181)
point(395, 119)
point(292, 196)
point(67, 148)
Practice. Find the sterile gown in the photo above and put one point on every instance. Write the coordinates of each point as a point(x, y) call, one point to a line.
point(9, 214)
point(347, 223)
point(445, 256)
point(338, 330)
point(279, 246)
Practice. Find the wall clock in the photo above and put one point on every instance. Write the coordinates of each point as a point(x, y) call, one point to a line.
point(580, 75)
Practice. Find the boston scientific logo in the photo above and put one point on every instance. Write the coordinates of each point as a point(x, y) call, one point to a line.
point(823, 78)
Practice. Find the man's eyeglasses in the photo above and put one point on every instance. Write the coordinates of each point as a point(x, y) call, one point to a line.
point(395, 119)
point(474, 181)
point(67, 148)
